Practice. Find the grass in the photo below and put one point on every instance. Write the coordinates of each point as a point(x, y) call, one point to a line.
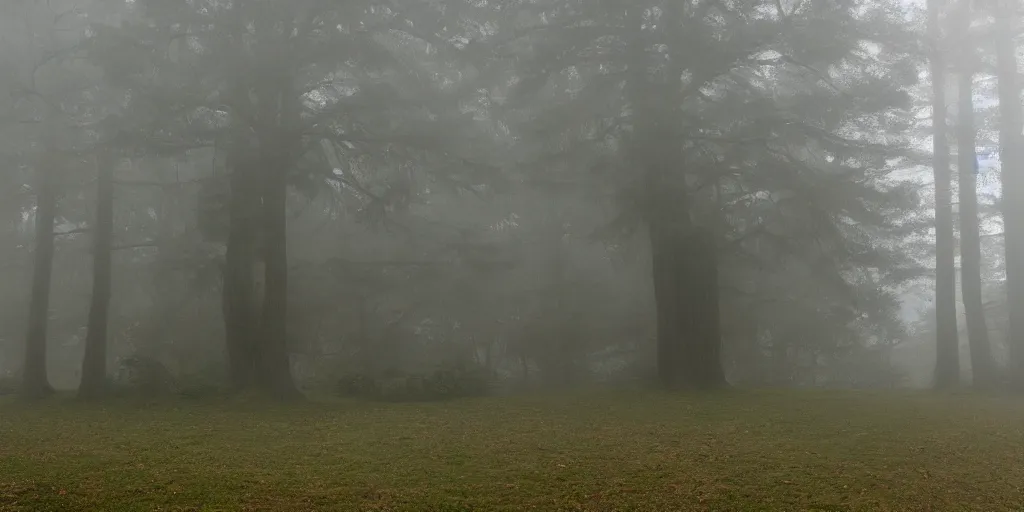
point(598, 451)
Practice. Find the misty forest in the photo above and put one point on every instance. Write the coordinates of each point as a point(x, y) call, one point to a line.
point(511, 254)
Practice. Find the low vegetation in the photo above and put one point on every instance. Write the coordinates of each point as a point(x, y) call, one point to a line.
point(596, 451)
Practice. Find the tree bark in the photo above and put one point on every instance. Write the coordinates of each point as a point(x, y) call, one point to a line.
point(35, 383)
point(692, 250)
point(685, 275)
point(278, 121)
point(947, 361)
point(1011, 157)
point(238, 297)
point(275, 370)
point(702, 345)
point(970, 232)
point(256, 317)
point(94, 362)
point(664, 273)
point(659, 217)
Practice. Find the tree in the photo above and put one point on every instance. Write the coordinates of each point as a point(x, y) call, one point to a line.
point(734, 121)
point(967, 168)
point(279, 79)
point(684, 267)
point(94, 362)
point(35, 383)
point(39, 68)
point(742, 148)
point(947, 363)
point(263, 141)
point(1011, 155)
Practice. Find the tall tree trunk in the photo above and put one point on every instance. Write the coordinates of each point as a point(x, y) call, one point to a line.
point(35, 383)
point(1011, 157)
point(970, 236)
point(275, 370)
point(696, 258)
point(279, 119)
point(685, 275)
point(94, 363)
point(660, 233)
point(664, 274)
point(947, 360)
point(238, 296)
point(702, 348)
point(683, 267)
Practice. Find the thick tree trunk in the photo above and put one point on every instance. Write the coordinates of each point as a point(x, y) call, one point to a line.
point(970, 232)
point(256, 267)
point(275, 370)
point(685, 274)
point(279, 111)
point(667, 215)
point(667, 303)
point(1011, 156)
point(238, 296)
point(35, 383)
point(702, 347)
point(947, 361)
point(94, 363)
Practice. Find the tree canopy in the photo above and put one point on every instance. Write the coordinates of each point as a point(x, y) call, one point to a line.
point(294, 194)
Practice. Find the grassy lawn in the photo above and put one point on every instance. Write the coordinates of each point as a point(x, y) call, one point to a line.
point(597, 451)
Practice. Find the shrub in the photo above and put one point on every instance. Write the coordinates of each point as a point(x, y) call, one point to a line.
point(459, 380)
point(143, 376)
point(444, 383)
point(206, 382)
point(357, 386)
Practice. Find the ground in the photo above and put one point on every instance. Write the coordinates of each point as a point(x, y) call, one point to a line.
point(585, 451)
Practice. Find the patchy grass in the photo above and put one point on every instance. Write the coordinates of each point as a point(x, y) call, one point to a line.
point(599, 451)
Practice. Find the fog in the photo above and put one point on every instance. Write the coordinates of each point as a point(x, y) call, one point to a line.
point(426, 202)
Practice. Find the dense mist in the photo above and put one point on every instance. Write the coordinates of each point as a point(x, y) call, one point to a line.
point(300, 197)
point(509, 255)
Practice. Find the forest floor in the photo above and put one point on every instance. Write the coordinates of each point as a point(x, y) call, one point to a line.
point(742, 450)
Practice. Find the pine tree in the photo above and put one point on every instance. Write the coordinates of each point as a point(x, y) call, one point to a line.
point(947, 365)
point(753, 101)
point(967, 168)
point(278, 81)
point(1011, 155)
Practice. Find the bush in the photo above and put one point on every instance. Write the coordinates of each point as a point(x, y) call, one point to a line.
point(444, 383)
point(357, 386)
point(146, 377)
point(460, 380)
point(207, 382)
point(143, 376)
